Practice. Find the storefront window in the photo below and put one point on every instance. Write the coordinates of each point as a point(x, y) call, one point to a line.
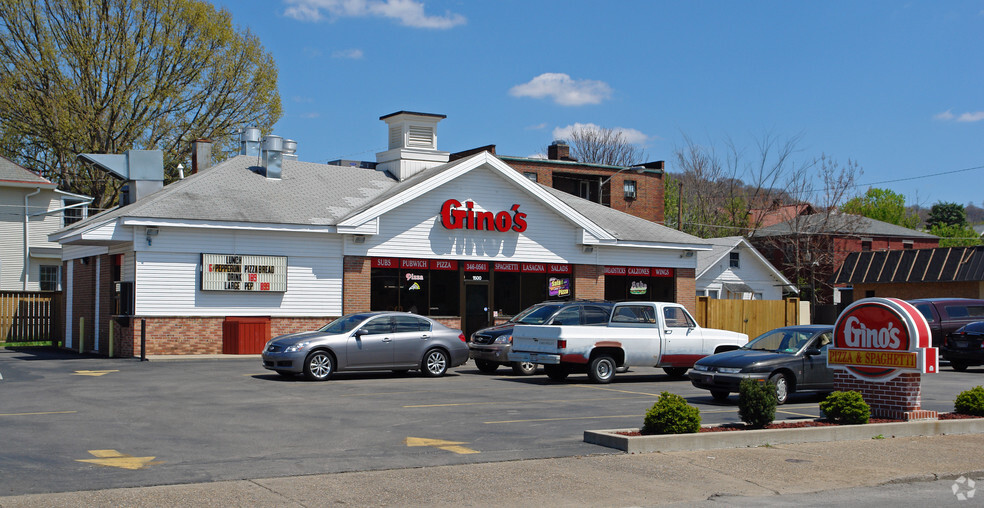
point(426, 287)
point(639, 284)
point(384, 289)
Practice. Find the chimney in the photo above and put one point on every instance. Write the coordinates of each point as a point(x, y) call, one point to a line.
point(559, 151)
point(412, 144)
point(290, 150)
point(142, 170)
point(249, 142)
point(272, 156)
point(201, 155)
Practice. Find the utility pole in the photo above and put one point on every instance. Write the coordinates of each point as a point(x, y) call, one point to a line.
point(680, 206)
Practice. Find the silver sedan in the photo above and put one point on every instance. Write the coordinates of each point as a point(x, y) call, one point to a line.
point(395, 341)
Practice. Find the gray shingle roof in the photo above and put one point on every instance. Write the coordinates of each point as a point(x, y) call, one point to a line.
point(942, 264)
point(322, 195)
point(842, 224)
point(720, 247)
point(11, 172)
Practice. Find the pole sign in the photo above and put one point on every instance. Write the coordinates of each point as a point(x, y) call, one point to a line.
point(876, 339)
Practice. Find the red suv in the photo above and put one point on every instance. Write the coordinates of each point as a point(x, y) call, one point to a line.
point(945, 315)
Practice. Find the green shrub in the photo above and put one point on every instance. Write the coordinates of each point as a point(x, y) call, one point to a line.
point(970, 402)
point(671, 415)
point(756, 402)
point(846, 407)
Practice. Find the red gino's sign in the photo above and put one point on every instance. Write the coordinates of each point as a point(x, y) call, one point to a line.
point(453, 216)
point(876, 339)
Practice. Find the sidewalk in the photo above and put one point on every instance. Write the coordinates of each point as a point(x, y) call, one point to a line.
point(601, 480)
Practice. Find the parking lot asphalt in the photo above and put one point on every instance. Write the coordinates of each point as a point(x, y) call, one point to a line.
point(221, 431)
point(748, 476)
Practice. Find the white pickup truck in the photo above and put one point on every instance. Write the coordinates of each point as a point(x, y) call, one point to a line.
point(660, 334)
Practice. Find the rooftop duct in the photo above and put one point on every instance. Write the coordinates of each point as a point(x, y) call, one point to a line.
point(272, 155)
point(142, 170)
point(249, 142)
point(290, 149)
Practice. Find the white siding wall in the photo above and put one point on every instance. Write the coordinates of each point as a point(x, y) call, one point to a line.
point(12, 234)
point(168, 278)
point(751, 272)
point(415, 230)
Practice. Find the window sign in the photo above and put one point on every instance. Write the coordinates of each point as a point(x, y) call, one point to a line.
point(235, 272)
point(638, 287)
point(559, 287)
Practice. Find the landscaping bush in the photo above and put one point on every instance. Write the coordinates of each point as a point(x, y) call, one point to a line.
point(970, 402)
point(846, 407)
point(756, 402)
point(671, 415)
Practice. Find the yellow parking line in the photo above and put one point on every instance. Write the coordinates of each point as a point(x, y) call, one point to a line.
point(783, 411)
point(620, 391)
point(40, 413)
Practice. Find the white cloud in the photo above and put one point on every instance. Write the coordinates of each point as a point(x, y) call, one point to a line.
point(968, 117)
point(629, 135)
point(537, 127)
point(351, 54)
point(563, 90)
point(406, 12)
point(976, 116)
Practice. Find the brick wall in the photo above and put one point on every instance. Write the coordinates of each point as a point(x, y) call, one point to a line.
point(649, 186)
point(83, 302)
point(355, 284)
point(686, 288)
point(908, 291)
point(589, 282)
point(900, 398)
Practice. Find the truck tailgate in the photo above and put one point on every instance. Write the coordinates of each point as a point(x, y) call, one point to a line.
point(535, 339)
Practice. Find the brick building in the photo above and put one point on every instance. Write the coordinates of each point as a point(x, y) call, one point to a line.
point(287, 245)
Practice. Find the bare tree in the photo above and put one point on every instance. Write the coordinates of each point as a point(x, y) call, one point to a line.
point(600, 145)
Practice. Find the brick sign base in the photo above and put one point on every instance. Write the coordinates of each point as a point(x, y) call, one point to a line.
point(898, 399)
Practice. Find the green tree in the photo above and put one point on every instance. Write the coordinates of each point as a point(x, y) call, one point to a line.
point(956, 236)
point(105, 76)
point(884, 205)
point(946, 214)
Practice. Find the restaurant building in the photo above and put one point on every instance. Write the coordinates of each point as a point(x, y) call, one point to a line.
point(263, 244)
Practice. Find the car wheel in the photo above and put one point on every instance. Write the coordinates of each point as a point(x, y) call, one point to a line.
point(524, 368)
point(319, 366)
point(958, 366)
point(435, 363)
point(556, 372)
point(486, 366)
point(601, 369)
point(675, 372)
point(782, 387)
point(286, 373)
point(719, 395)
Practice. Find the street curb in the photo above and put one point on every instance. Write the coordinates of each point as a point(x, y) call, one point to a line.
point(754, 438)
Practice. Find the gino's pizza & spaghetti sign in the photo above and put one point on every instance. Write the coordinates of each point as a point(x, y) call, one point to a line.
point(876, 339)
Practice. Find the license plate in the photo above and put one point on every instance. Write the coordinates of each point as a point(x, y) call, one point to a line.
point(961, 343)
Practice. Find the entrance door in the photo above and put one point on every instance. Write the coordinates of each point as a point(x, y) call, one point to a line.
point(476, 307)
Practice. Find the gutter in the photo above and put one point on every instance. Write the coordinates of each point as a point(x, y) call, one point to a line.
point(27, 237)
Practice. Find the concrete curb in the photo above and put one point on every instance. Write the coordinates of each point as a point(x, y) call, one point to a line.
point(754, 438)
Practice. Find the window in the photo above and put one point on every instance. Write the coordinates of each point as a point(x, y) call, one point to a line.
point(594, 315)
point(735, 260)
point(567, 316)
point(411, 324)
point(48, 278)
point(676, 317)
point(630, 189)
point(530, 175)
point(866, 244)
point(73, 215)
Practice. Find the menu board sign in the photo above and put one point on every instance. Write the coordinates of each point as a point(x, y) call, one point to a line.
point(236, 272)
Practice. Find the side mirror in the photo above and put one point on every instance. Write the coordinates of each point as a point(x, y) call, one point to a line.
point(812, 351)
point(360, 332)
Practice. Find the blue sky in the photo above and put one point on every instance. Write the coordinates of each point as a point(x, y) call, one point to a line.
point(897, 87)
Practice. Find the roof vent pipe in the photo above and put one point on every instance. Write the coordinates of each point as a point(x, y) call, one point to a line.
point(249, 142)
point(272, 156)
point(290, 149)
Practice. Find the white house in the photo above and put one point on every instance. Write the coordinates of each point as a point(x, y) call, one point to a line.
point(31, 208)
point(733, 269)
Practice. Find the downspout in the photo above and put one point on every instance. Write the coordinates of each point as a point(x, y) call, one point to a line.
point(27, 237)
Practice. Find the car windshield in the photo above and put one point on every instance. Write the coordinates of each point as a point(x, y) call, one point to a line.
point(535, 315)
point(779, 341)
point(344, 324)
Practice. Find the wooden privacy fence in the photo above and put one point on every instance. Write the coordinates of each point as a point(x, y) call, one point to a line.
point(29, 318)
point(752, 317)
